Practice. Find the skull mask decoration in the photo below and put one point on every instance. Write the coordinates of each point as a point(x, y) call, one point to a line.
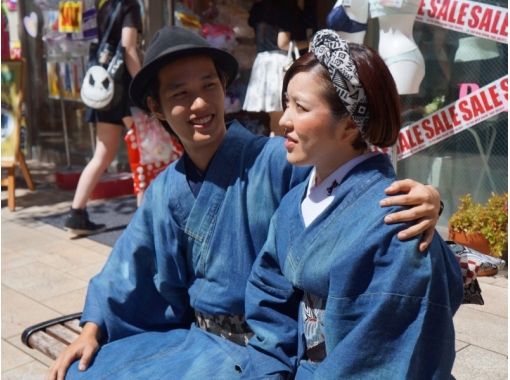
point(98, 88)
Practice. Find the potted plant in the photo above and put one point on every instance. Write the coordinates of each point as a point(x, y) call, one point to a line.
point(482, 227)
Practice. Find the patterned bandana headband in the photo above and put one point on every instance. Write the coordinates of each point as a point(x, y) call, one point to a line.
point(333, 53)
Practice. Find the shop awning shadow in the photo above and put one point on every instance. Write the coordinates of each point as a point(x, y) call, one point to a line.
point(105, 231)
point(116, 213)
point(45, 194)
point(50, 204)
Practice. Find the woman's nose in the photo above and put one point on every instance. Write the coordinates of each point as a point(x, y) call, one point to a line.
point(285, 122)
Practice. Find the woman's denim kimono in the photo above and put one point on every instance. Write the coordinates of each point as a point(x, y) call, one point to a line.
point(389, 308)
point(181, 254)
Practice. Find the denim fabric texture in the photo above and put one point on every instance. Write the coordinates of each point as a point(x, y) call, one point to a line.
point(180, 354)
point(182, 253)
point(389, 308)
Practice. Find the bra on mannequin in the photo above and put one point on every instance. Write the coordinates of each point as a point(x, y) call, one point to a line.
point(349, 19)
point(378, 9)
point(475, 49)
point(339, 20)
point(396, 35)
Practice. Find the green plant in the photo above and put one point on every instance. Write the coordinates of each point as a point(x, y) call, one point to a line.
point(490, 220)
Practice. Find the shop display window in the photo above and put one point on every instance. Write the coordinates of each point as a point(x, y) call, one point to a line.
point(459, 65)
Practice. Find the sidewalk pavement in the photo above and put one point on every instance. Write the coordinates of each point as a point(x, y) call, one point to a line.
point(45, 275)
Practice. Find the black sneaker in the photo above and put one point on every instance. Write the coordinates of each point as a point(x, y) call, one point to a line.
point(78, 223)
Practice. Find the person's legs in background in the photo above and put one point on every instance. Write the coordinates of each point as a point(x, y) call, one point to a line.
point(107, 143)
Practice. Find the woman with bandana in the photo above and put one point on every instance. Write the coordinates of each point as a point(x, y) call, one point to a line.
point(333, 293)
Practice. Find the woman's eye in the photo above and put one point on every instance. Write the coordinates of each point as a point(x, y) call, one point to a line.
point(210, 85)
point(300, 107)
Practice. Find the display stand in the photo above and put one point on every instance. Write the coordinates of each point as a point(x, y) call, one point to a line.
point(12, 155)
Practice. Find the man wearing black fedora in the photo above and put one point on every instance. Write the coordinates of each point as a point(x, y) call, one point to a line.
point(169, 302)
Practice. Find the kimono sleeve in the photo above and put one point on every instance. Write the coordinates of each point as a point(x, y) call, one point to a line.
point(141, 287)
point(396, 318)
point(271, 311)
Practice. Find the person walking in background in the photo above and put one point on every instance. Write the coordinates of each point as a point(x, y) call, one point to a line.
point(333, 291)
point(277, 24)
point(170, 299)
point(109, 124)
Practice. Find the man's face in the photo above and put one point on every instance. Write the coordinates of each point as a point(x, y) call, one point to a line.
point(191, 97)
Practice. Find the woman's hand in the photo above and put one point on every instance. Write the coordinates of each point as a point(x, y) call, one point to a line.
point(83, 348)
point(424, 202)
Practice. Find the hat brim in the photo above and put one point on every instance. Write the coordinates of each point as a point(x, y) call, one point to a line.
point(138, 90)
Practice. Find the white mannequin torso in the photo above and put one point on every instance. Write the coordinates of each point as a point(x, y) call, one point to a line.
point(400, 52)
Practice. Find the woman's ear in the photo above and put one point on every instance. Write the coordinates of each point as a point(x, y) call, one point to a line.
point(350, 131)
point(155, 108)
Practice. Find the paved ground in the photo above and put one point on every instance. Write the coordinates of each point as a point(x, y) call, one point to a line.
point(45, 274)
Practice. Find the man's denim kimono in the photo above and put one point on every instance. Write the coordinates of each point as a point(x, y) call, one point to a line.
point(181, 254)
point(388, 308)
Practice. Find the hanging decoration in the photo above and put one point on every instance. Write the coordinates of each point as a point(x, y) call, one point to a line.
point(70, 17)
point(471, 17)
point(453, 118)
point(31, 23)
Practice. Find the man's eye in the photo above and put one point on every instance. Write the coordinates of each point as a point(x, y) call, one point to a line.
point(210, 85)
point(179, 94)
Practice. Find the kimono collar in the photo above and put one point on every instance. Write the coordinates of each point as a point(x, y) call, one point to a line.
point(328, 185)
point(318, 198)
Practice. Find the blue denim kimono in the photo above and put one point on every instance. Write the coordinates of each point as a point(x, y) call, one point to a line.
point(388, 308)
point(181, 254)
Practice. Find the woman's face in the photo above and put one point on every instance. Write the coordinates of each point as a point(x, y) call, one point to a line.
point(191, 99)
point(314, 134)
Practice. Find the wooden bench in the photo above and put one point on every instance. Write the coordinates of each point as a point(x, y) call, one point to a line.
point(53, 336)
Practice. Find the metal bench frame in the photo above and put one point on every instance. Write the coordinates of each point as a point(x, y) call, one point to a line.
point(53, 336)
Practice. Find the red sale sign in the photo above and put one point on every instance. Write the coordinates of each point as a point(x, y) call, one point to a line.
point(471, 17)
point(454, 118)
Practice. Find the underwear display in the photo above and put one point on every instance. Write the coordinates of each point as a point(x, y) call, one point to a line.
point(378, 9)
point(475, 49)
point(411, 55)
point(339, 20)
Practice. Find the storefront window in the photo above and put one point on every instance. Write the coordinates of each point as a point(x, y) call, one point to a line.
point(459, 65)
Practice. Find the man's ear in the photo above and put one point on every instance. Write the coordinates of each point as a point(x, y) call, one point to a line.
point(155, 108)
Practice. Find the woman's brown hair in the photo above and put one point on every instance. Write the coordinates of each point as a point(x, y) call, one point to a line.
point(383, 99)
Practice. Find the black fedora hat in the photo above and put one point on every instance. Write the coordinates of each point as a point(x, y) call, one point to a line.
point(169, 44)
